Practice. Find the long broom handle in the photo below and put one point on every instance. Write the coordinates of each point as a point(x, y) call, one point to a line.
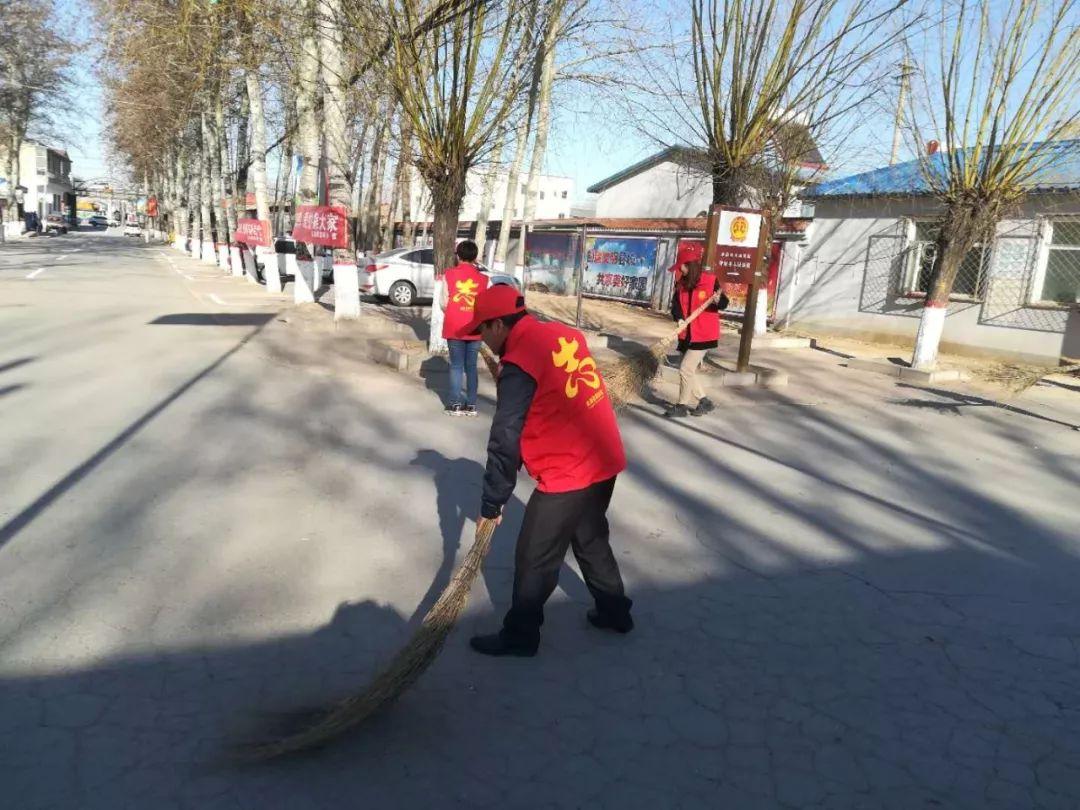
point(492, 362)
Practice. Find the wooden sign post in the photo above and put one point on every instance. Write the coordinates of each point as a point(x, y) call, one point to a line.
point(736, 241)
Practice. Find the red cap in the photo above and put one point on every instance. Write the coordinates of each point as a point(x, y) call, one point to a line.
point(494, 302)
point(688, 252)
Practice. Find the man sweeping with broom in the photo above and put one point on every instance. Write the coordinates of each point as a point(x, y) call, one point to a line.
point(554, 415)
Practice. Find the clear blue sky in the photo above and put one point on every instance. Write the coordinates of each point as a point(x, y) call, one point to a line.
point(586, 144)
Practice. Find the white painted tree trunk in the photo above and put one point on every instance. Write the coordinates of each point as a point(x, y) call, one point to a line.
point(195, 200)
point(206, 253)
point(928, 338)
point(543, 126)
point(513, 177)
point(146, 197)
point(488, 199)
point(180, 203)
point(346, 278)
point(217, 183)
point(307, 87)
point(761, 313)
point(264, 255)
point(228, 189)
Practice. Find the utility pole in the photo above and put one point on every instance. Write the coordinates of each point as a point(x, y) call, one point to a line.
point(906, 69)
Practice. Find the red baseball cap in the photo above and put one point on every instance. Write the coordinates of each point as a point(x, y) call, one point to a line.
point(494, 302)
point(688, 252)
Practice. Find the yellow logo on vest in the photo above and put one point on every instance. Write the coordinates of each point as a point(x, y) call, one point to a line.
point(466, 293)
point(578, 371)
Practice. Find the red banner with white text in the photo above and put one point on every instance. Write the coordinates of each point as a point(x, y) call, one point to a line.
point(326, 225)
point(253, 232)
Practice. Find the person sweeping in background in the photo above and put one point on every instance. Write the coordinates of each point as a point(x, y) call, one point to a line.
point(554, 415)
point(458, 290)
point(693, 287)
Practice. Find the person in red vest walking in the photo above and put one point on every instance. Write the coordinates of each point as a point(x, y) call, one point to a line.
point(553, 414)
point(458, 290)
point(693, 287)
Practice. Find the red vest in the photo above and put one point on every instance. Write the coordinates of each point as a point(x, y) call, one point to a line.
point(570, 439)
point(706, 327)
point(464, 282)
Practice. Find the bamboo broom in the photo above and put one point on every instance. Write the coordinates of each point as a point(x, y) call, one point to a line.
point(626, 378)
point(624, 381)
point(402, 671)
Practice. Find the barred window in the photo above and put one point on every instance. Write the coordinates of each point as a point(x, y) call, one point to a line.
point(1057, 279)
point(922, 249)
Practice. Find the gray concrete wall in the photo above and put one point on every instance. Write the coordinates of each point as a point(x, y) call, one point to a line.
point(849, 279)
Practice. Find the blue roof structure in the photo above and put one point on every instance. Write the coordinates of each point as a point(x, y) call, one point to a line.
point(1060, 173)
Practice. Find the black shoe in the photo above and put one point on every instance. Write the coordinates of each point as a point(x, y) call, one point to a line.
point(498, 645)
point(469, 410)
point(454, 409)
point(676, 412)
point(704, 406)
point(620, 624)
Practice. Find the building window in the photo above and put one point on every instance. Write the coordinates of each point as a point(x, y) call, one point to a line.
point(541, 195)
point(564, 195)
point(1057, 276)
point(922, 249)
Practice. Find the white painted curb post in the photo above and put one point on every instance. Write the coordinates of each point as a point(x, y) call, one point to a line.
point(304, 287)
point(346, 291)
point(928, 338)
point(249, 265)
point(209, 255)
point(234, 258)
point(268, 257)
point(223, 256)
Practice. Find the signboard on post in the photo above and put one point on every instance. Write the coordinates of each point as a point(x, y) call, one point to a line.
point(253, 232)
point(152, 207)
point(619, 267)
point(737, 232)
point(326, 225)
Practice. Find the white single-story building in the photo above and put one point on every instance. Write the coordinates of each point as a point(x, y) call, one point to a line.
point(672, 184)
point(864, 269)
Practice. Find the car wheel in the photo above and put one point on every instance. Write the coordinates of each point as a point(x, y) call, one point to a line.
point(402, 294)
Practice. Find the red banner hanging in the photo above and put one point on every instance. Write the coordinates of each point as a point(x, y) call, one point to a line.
point(326, 225)
point(253, 232)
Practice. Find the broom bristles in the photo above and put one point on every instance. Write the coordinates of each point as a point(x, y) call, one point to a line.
point(627, 378)
point(624, 380)
point(401, 673)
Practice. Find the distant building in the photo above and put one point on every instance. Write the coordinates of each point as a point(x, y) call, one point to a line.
point(672, 183)
point(556, 195)
point(46, 174)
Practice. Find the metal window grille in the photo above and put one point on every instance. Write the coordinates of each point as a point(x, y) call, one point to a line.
point(970, 278)
point(1057, 276)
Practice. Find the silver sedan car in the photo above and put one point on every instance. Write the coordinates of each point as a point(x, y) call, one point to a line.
point(407, 275)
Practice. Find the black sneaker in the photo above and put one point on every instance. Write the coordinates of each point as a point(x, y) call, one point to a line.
point(498, 645)
point(676, 412)
point(454, 409)
point(620, 624)
point(469, 410)
point(704, 406)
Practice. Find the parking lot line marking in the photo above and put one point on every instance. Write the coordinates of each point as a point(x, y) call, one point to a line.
point(35, 273)
point(217, 300)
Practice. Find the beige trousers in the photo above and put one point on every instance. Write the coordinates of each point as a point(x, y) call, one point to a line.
point(690, 390)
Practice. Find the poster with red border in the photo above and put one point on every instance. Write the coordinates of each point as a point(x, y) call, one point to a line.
point(253, 232)
point(326, 225)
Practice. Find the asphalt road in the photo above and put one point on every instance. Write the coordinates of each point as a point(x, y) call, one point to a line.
point(849, 593)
